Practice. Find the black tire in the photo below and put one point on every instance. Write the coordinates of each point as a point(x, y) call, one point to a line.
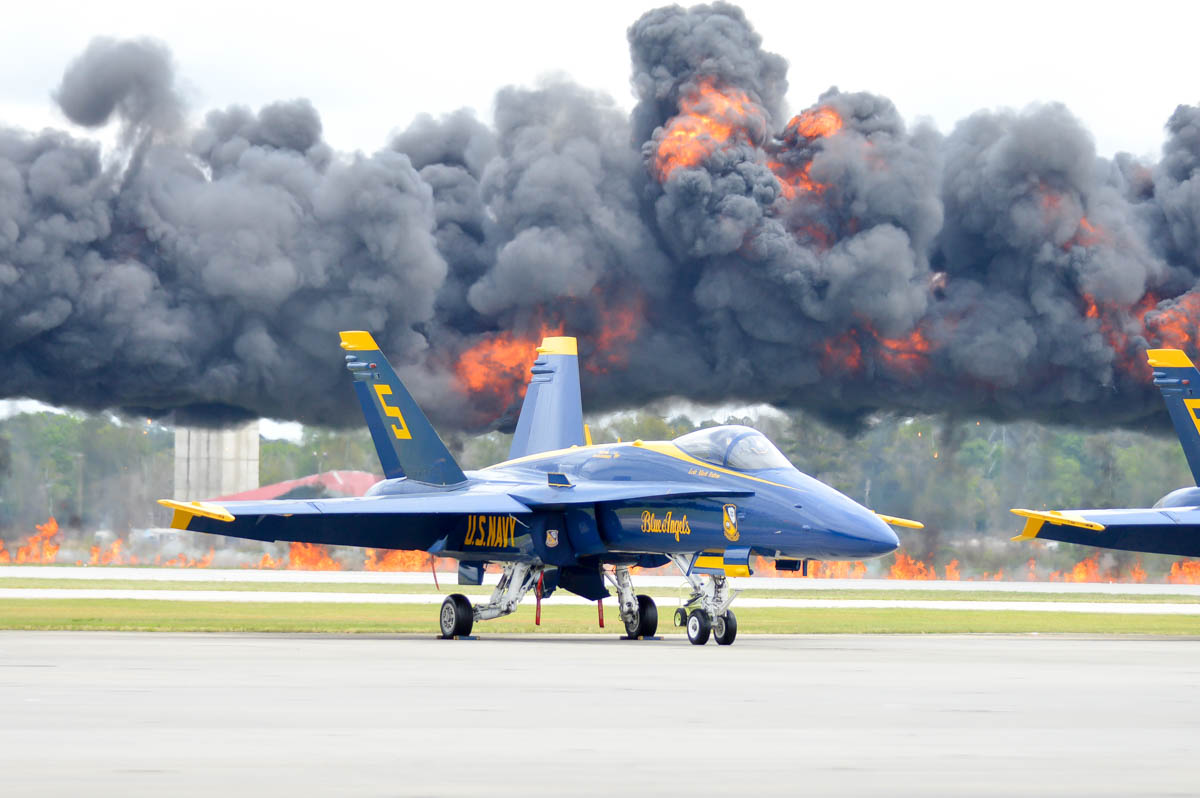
point(725, 629)
point(680, 617)
point(648, 612)
point(698, 627)
point(456, 617)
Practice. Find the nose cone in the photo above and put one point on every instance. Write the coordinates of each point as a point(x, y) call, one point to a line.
point(878, 538)
point(861, 534)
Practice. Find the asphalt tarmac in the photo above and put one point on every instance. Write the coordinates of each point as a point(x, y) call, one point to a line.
point(129, 714)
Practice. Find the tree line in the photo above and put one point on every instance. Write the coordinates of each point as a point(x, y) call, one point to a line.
point(958, 476)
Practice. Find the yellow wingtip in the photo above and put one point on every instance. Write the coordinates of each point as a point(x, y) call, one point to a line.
point(558, 345)
point(1168, 358)
point(904, 522)
point(357, 341)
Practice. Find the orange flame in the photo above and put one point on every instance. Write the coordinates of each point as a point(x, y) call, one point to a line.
point(819, 122)
point(618, 331)
point(842, 353)
point(1174, 327)
point(1185, 572)
point(795, 178)
point(952, 574)
point(184, 561)
point(1137, 573)
point(1088, 235)
point(499, 364)
point(310, 557)
point(906, 567)
point(706, 121)
point(268, 563)
point(39, 547)
point(107, 555)
point(396, 560)
point(1087, 570)
point(1116, 325)
point(909, 354)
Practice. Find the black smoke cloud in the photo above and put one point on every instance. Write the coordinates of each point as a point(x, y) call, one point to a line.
point(1003, 269)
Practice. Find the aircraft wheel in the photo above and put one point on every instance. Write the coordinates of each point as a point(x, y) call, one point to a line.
point(648, 612)
point(725, 628)
point(456, 618)
point(634, 622)
point(698, 627)
point(680, 616)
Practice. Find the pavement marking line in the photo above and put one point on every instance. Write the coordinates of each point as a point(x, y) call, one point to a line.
point(248, 596)
point(642, 580)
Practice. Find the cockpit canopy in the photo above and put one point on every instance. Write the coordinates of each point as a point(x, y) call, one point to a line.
point(733, 446)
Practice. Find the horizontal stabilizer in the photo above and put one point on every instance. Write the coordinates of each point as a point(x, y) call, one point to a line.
point(1163, 530)
point(1059, 517)
point(188, 510)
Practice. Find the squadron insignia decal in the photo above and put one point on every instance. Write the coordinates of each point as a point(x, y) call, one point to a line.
point(729, 521)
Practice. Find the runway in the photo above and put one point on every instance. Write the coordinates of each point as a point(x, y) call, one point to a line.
point(156, 574)
point(562, 598)
point(154, 714)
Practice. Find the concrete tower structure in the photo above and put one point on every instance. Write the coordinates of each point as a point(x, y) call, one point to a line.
point(210, 463)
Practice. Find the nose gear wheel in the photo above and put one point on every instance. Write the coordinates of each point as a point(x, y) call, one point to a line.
point(698, 627)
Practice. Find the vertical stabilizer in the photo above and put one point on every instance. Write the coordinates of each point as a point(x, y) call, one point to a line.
point(1179, 382)
point(406, 442)
point(552, 414)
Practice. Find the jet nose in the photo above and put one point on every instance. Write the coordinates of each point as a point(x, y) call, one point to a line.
point(879, 538)
point(865, 535)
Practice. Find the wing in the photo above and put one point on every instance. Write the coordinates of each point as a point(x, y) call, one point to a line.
point(565, 494)
point(393, 522)
point(1174, 530)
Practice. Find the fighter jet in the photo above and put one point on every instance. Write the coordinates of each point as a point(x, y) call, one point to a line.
point(562, 512)
point(1172, 525)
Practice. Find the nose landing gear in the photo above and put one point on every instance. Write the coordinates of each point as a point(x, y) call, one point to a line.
point(706, 612)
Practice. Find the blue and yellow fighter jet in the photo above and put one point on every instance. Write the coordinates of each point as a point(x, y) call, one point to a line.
point(1172, 525)
point(564, 513)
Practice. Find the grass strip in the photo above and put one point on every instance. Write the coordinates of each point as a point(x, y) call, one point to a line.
point(449, 587)
point(187, 616)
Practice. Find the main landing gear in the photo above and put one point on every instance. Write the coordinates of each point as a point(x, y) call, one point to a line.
point(458, 616)
point(639, 613)
point(706, 612)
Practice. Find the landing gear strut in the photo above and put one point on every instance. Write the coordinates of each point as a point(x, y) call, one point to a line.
point(639, 613)
point(707, 610)
point(458, 616)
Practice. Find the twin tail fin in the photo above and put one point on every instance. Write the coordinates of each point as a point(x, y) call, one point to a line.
point(406, 442)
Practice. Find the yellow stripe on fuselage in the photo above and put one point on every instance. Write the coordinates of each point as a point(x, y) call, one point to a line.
point(665, 448)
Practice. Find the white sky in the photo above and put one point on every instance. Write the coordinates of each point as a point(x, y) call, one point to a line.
point(369, 68)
